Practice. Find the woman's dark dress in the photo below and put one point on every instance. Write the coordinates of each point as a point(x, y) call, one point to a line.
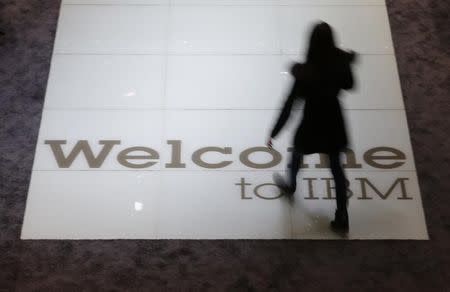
point(322, 129)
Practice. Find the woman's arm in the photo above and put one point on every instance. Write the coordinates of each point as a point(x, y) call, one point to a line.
point(285, 113)
point(347, 81)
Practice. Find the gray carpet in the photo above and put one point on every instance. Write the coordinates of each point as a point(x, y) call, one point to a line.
point(422, 41)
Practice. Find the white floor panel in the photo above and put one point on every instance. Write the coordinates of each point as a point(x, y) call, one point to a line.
point(88, 204)
point(217, 210)
point(105, 81)
point(332, 2)
point(262, 82)
point(172, 204)
point(226, 82)
point(117, 2)
point(224, 2)
point(246, 82)
point(104, 29)
point(223, 30)
point(377, 85)
point(218, 30)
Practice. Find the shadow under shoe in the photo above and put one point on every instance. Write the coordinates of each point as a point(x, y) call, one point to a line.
point(340, 222)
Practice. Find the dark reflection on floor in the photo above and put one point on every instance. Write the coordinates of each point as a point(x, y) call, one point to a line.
point(421, 42)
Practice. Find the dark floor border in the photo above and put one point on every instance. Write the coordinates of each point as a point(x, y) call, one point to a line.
point(421, 38)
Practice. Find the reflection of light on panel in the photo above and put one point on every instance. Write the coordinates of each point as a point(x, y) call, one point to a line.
point(106, 82)
point(138, 206)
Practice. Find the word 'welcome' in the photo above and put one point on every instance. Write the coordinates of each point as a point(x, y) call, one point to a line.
point(139, 157)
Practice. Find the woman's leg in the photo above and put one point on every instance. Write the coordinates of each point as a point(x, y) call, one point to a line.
point(339, 181)
point(296, 161)
point(340, 222)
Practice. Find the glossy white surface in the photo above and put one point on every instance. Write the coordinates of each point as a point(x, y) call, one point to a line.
point(121, 205)
point(223, 30)
point(261, 82)
point(210, 73)
point(105, 29)
point(191, 82)
point(333, 2)
point(105, 81)
point(225, 2)
point(117, 2)
point(80, 205)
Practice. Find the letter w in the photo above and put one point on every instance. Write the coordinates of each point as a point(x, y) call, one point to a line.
point(81, 146)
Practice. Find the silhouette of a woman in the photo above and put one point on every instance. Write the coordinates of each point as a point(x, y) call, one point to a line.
point(322, 129)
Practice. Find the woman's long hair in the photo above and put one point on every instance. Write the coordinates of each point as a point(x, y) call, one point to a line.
point(322, 49)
